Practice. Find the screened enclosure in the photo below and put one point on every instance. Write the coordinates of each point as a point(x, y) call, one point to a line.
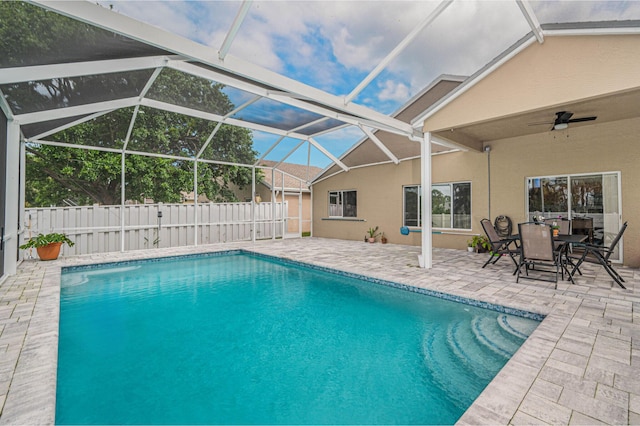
point(68, 64)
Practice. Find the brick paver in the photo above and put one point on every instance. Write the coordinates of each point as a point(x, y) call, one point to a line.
point(580, 366)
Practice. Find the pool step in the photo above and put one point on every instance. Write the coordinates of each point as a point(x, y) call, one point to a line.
point(465, 356)
point(495, 338)
point(518, 326)
point(447, 374)
point(473, 353)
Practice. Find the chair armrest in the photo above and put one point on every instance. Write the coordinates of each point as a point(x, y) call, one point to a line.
point(593, 247)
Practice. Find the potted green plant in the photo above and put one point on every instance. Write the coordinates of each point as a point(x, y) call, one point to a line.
point(470, 246)
point(480, 243)
point(47, 245)
point(372, 234)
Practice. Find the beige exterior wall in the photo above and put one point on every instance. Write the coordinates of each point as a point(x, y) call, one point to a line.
point(608, 147)
point(293, 209)
point(379, 201)
point(562, 69)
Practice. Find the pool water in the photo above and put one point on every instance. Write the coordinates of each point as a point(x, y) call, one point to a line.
point(244, 339)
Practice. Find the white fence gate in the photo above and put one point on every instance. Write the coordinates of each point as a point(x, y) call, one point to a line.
point(96, 229)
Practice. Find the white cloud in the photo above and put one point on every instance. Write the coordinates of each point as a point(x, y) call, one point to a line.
point(333, 45)
point(394, 91)
point(169, 16)
point(576, 11)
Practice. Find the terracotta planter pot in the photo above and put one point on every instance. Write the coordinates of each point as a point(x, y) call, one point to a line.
point(49, 252)
point(372, 240)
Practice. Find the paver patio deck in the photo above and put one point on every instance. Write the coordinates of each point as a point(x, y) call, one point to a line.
point(580, 366)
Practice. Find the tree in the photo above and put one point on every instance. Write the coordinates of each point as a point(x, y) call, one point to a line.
point(58, 175)
point(55, 175)
point(30, 35)
point(440, 203)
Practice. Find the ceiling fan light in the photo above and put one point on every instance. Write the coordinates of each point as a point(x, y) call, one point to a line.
point(560, 126)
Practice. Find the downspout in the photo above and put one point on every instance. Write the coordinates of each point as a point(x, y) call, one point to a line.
point(426, 259)
point(487, 149)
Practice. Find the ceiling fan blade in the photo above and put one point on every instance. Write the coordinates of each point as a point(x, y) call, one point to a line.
point(563, 116)
point(577, 120)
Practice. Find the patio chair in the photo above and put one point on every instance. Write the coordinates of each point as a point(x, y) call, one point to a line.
point(591, 253)
point(499, 246)
point(538, 249)
point(565, 227)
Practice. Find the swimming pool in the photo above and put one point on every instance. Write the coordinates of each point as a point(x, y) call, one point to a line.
point(241, 338)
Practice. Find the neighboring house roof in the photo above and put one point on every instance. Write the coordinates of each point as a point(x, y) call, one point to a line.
point(294, 174)
point(367, 152)
point(188, 197)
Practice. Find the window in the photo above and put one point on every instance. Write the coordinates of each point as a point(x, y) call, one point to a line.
point(343, 204)
point(594, 197)
point(412, 206)
point(450, 205)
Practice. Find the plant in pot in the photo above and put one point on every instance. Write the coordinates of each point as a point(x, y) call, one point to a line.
point(372, 234)
point(470, 246)
point(383, 238)
point(480, 243)
point(47, 245)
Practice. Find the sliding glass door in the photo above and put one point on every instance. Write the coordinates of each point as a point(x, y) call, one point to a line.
point(592, 201)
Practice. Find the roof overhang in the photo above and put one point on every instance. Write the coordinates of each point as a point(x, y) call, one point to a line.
point(589, 69)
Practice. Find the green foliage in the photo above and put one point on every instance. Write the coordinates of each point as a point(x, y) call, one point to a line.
point(479, 242)
point(440, 203)
point(372, 232)
point(46, 239)
point(56, 176)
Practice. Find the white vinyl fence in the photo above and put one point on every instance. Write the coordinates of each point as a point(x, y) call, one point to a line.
point(96, 229)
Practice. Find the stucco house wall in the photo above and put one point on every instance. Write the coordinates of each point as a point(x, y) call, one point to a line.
point(610, 147)
point(293, 203)
point(589, 74)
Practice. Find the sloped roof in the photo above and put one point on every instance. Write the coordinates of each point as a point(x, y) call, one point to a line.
point(366, 151)
point(296, 176)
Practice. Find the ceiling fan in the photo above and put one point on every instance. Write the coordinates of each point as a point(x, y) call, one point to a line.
point(563, 118)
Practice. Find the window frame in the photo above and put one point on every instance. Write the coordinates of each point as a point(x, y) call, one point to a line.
point(404, 206)
point(571, 213)
point(451, 186)
point(341, 194)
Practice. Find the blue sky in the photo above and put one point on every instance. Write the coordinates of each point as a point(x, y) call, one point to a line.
point(333, 45)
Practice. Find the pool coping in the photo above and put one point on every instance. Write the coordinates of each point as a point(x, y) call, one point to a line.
point(511, 397)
